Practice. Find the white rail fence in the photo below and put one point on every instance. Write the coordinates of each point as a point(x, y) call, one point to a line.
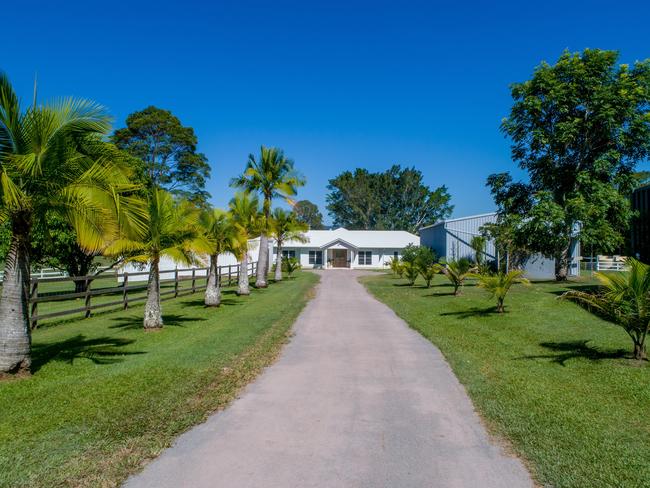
point(604, 263)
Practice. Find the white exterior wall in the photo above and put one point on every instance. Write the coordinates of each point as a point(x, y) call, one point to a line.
point(380, 257)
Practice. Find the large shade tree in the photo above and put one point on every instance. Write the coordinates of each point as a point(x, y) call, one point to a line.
point(285, 226)
point(172, 229)
point(396, 199)
point(308, 213)
point(247, 219)
point(578, 128)
point(272, 175)
point(46, 168)
point(224, 237)
point(168, 153)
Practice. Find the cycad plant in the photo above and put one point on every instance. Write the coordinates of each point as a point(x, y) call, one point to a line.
point(456, 272)
point(172, 229)
point(623, 299)
point(499, 284)
point(224, 237)
point(51, 160)
point(395, 265)
point(244, 208)
point(285, 227)
point(272, 176)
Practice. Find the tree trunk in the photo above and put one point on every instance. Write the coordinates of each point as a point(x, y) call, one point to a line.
point(562, 265)
point(640, 351)
point(213, 288)
point(278, 264)
point(15, 336)
point(152, 313)
point(262, 262)
point(243, 276)
point(500, 307)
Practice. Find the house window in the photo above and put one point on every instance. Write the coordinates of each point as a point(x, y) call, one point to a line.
point(288, 253)
point(316, 257)
point(365, 258)
point(395, 255)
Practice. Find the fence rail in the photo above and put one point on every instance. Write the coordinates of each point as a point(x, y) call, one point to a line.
point(171, 279)
point(604, 263)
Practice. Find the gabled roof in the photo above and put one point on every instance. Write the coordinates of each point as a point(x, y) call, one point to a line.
point(365, 239)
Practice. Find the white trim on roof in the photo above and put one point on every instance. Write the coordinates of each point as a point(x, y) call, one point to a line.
point(458, 219)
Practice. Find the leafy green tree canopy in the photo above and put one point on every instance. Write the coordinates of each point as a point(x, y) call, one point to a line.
point(578, 128)
point(395, 199)
point(168, 151)
point(307, 212)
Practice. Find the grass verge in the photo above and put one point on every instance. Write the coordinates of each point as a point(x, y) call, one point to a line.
point(106, 397)
point(554, 380)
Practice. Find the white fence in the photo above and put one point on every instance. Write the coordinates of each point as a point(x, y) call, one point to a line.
point(604, 263)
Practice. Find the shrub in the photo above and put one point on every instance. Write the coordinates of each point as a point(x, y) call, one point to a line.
point(498, 284)
point(457, 271)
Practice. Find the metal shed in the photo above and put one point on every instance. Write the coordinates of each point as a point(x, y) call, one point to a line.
point(451, 239)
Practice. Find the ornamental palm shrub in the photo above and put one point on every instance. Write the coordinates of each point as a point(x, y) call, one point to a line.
point(52, 161)
point(285, 226)
point(623, 299)
point(457, 271)
point(478, 244)
point(411, 272)
point(272, 175)
point(220, 230)
point(498, 285)
point(172, 228)
point(429, 271)
point(395, 266)
point(291, 265)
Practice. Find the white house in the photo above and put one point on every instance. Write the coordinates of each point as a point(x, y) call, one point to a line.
point(343, 248)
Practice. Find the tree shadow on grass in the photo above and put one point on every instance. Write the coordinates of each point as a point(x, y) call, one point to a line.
point(561, 352)
point(100, 350)
point(135, 321)
point(472, 312)
point(583, 288)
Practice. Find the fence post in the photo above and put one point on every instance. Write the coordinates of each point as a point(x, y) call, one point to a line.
point(193, 280)
point(597, 262)
point(88, 297)
point(125, 294)
point(176, 283)
point(33, 297)
point(229, 274)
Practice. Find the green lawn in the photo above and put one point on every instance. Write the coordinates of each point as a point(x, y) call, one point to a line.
point(106, 396)
point(548, 376)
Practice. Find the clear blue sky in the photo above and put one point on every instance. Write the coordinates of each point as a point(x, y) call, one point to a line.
point(335, 84)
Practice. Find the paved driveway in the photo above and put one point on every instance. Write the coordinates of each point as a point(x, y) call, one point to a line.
point(357, 399)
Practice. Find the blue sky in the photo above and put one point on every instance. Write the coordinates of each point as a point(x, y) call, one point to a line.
point(337, 85)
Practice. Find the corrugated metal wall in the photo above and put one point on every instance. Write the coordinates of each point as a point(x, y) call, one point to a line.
point(460, 233)
point(435, 237)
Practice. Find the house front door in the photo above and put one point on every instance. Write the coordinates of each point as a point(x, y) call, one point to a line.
point(339, 258)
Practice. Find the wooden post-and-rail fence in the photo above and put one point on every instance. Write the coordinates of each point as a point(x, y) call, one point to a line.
point(37, 296)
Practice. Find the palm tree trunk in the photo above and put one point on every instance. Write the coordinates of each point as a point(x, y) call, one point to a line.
point(15, 336)
point(278, 264)
point(213, 288)
point(262, 262)
point(562, 265)
point(152, 312)
point(640, 351)
point(243, 276)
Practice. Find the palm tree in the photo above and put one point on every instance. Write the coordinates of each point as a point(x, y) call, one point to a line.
point(624, 299)
point(478, 245)
point(285, 227)
point(291, 265)
point(499, 284)
point(272, 176)
point(428, 271)
point(411, 271)
point(172, 229)
point(456, 272)
point(244, 208)
point(224, 237)
point(51, 160)
point(395, 266)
